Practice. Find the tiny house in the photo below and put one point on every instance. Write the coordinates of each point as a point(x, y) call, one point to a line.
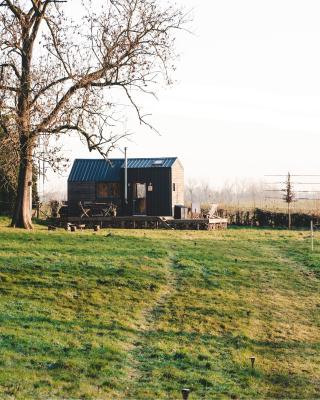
point(154, 185)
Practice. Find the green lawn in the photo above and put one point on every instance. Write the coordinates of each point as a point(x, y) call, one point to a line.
point(142, 314)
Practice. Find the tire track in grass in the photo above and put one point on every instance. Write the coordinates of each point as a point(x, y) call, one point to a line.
point(148, 323)
point(298, 268)
point(299, 291)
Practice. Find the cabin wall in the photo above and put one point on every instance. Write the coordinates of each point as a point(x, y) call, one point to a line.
point(80, 191)
point(178, 181)
point(159, 201)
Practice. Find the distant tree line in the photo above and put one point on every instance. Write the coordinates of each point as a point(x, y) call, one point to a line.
point(235, 192)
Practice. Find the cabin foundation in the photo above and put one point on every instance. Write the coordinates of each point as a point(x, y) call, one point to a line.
point(142, 222)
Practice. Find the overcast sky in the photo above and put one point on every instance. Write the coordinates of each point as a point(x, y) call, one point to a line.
point(247, 98)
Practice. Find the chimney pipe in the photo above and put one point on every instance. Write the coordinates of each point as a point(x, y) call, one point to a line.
point(125, 176)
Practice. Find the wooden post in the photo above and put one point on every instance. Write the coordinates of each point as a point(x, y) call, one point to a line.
point(185, 394)
point(38, 209)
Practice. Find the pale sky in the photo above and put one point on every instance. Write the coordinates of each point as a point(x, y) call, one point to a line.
point(247, 98)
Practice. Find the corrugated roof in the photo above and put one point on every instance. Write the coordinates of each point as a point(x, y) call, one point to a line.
point(91, 170)
point(96, 170)
point(151, 162)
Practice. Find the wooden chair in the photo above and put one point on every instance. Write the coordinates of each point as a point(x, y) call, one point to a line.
point(110, 210)
point(84, 210)
point(213, 211)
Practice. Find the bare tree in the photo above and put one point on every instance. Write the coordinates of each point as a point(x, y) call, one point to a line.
point(56, 74)
point(191, 190)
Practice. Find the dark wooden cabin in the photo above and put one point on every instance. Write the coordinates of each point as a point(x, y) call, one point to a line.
point(155, 185)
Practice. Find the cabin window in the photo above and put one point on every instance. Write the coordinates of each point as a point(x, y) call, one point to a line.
point(106, 190)
point(174, 187)
point(140, 191)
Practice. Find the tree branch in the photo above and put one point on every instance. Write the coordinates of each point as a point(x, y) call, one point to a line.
point(9, 88)
point(17, 12)
point(51, 85)
point(37, 18)
point(15, 69)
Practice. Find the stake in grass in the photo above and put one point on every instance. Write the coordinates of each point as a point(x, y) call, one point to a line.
point(312, 236)
point(253, 360)
point(185, 394)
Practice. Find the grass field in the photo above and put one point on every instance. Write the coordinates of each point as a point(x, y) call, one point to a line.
point(142, 314)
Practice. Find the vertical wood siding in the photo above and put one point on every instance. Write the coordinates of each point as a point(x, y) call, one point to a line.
point(178, 180)
point(159, 200)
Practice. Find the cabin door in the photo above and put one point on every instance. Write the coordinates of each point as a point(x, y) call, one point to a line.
point(140, 199)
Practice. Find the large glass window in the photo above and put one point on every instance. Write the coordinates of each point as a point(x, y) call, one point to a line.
point(106, 190)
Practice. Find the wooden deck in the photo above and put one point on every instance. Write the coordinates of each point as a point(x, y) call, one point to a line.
point(145, 222)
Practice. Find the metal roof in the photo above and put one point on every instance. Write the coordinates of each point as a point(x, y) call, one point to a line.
point(151, 162)
point(91, 170)
point(96, 170)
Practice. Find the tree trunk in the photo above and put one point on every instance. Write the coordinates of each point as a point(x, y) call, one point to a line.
point(22, 211)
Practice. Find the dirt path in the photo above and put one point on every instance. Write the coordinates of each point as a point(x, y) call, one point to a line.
point(147, 324)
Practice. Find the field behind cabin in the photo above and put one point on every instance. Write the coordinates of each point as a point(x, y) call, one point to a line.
point(142, 314)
